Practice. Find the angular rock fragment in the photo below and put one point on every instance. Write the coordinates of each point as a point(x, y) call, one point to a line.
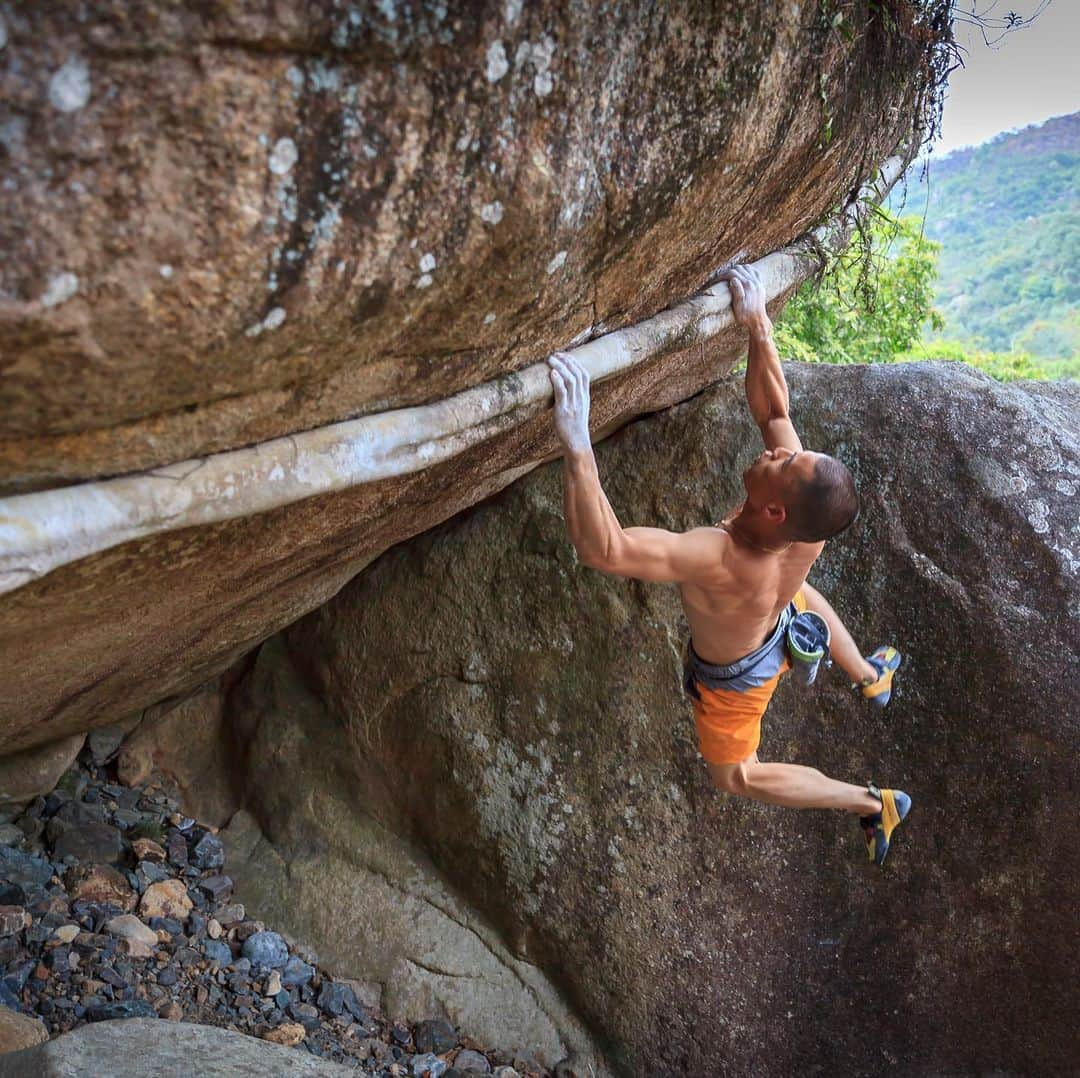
point(169, 898)
point(266, 949)
point(101, 885)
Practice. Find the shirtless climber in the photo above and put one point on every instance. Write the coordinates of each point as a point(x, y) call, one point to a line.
point(743, 581)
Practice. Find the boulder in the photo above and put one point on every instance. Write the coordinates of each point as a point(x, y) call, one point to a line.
point(337, 879)
point(350, 211)
point(343, 216)
point(519, 718)
point(18, 1031)
point(147, 1046)
point(25, 775)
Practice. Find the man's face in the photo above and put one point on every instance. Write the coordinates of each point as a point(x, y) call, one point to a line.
point(776, 473)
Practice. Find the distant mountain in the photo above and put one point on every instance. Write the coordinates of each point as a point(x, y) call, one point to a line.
point(1007, 214)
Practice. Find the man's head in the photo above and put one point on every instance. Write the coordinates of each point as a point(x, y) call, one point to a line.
point(801, 496)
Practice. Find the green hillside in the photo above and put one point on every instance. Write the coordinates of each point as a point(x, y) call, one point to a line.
point(1007, 216)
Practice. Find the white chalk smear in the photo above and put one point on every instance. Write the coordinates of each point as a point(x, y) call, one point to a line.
point(60, 289)
point(283, 157)
point(69, 88)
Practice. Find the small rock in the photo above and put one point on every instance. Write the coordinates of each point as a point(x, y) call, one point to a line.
point(217, 952)
point(169, 898)
point(214, 929)
point(427, 1065)
point(167, 977)
point(13, 919)
point(127, 926)
point(172, 1011)
point(267, 949)
point(296, 972)
point(11, 894)
point(112, 977)
point(149, 872)
point(23, 869)
point(11, 834)
point(468, 1060)
point(338, 999)
point(248, 928)
point(169, 925)
point(66, 933)
point(176, 847)
point(146, 849)
point(138, 949)
point(290, 1034)
point(100, 884)
point(273, 984)
point(208, 852)
point(506, 1072)
point(188, 956)
point(217, 888)
point(306, 1014)
point(76, 831)
point(230, 915)
point(104, 743)
point(434, 1035)
point(130, 1008)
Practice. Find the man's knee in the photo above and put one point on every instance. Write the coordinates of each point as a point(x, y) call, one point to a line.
point(733, 778)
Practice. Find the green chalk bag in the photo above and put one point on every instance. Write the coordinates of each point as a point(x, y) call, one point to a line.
point(808, 639)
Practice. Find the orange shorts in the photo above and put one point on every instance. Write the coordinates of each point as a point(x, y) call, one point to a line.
point(729, 722)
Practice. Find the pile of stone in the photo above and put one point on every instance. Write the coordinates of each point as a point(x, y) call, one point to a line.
point(113, 904)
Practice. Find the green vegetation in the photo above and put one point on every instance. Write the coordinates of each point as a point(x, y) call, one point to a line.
point(873, 303)
point(990, 277)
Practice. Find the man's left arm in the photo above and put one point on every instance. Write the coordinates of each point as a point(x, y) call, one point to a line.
point(651, 554)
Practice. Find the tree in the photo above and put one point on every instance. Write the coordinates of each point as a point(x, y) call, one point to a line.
point(871, 305)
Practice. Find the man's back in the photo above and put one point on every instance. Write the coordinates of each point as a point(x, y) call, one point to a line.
point(733, 614)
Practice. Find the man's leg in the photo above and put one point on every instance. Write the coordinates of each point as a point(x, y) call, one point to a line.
point(841, 646)
point(791, 785)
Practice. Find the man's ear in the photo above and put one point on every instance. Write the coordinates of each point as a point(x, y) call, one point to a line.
point(775, 513)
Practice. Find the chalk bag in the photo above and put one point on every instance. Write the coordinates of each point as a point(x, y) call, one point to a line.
point(808, 644)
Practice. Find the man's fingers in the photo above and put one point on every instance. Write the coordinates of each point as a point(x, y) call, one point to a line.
point(559, 386)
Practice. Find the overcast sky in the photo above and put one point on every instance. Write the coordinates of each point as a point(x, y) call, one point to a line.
point(1030, 75)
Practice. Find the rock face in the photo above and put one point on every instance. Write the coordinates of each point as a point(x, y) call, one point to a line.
point(147, 1046)
point(309, 861)
point(519, 717)
point(231, 225)
point(344, 213)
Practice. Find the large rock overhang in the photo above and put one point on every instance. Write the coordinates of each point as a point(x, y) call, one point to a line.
point(723, 155)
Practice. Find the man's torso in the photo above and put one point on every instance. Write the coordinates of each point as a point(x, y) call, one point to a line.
point(734, 614)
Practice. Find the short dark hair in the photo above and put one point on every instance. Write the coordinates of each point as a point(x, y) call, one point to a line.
point(824, 505)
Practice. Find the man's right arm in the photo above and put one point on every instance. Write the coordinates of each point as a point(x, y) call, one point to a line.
point(766, 387)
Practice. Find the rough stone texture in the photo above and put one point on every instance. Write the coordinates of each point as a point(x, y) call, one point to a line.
point(187, 744)
point(308, 862)
point(148, 1046)
point(230, 224)
point(520, 718)
point(24, 775)
point(18, 1031)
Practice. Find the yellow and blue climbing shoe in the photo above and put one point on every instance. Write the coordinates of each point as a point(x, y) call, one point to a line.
point(885, 661)
point(895, 805)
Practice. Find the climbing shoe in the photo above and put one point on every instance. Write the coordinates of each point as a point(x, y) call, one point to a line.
point(895, 805)
point(885, 661)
